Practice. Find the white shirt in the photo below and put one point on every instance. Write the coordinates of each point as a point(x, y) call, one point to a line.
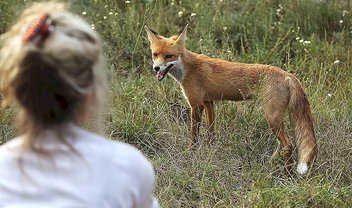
point(99, 173)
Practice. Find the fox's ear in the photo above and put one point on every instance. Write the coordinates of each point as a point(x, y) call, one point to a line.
point(182, 35)
point(152, 35)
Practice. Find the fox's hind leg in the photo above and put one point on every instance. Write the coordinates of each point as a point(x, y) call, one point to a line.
point(210, 119)
point(275, 116)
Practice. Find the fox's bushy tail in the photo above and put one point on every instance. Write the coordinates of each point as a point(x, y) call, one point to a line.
point(302, 122)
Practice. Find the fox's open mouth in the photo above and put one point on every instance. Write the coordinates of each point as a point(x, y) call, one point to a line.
point(161, 74)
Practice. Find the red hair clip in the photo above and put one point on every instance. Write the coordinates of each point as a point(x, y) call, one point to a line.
point(37, 31)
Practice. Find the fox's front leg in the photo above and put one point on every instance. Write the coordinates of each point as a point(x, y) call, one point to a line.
point(196, 118)
point(210, 121)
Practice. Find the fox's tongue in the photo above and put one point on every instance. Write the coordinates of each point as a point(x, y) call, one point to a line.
point(160, 75)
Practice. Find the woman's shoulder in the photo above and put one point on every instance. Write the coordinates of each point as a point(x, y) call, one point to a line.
point(132, 157)
point(118, 152)
point(122, 160)
point(101, 142)
point(10, 151)
point(12, 145)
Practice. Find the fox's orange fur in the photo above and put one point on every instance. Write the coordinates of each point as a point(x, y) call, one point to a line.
point(204, 80)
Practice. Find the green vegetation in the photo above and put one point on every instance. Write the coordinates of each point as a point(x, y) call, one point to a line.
point(310, 38)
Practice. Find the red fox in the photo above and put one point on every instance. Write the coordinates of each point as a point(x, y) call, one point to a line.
point(204, 80)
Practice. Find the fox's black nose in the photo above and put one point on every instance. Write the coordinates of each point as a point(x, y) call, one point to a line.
point(157, 68)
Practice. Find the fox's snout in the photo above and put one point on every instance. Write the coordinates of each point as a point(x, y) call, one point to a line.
point(163, 70)
point(160, 67)
point(163, 67)
point(156, 68)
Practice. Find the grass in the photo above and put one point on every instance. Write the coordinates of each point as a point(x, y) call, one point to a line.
point(312, 39)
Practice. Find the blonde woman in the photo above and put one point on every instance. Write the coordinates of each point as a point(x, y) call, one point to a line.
point(51, 67)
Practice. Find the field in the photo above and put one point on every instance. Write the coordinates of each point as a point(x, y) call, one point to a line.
point(309, 38)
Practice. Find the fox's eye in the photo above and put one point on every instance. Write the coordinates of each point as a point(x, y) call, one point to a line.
point(155, 54)
point(169, 56)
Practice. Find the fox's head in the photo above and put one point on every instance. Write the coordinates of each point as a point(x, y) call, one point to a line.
point(166, 52)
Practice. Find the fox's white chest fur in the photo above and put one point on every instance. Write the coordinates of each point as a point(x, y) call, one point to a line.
point(178, 72)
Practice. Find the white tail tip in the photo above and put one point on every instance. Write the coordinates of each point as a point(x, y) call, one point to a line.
point(302, 168)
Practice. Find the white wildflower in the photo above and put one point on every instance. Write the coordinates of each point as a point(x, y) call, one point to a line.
point(127, 2)
point(180, 13)
point(306, 42)
point(344, 12)
point(193, 14)
point(298, 38)
point(84, 13)
point(105, 17)
point(341, 21)
point(337, 61)
point(110, 13)
point(279, 10)
point(224, 28)
point(329, 94)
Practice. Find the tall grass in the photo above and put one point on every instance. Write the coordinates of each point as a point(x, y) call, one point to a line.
point(310, 38)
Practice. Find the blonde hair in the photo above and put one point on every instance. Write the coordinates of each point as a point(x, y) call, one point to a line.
point(50, 82)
